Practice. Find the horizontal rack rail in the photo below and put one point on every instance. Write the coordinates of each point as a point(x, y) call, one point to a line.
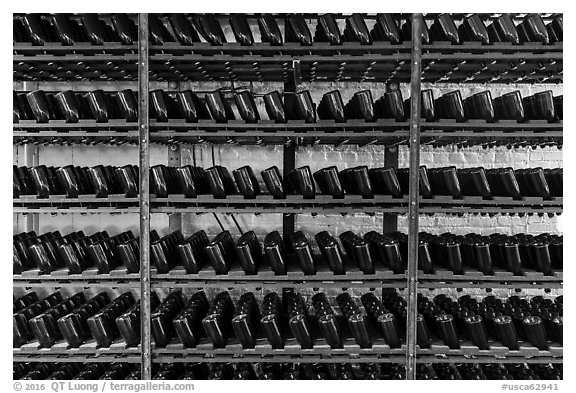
point(62, 348)
point(295, 132)
point(525, 351)
point(352, 131)
point(502, 127)
point(502, 48)
point(54, 203)
point(352, 203)
point(77, 358)
point(32, 209)
point(293, 353)
point(437, 353)
point(356, 200)
point(515, 210)
point(352, 274)
point(442, 274)
point(486, 359)
point(292, 204)
point(273, 284)
point(87, 352)
point(265, 277)
point(33, 199)
point(464, 55)
point(69, 52)
point(209, 204)
point(174, 279)
point(290, 200)
point(279, 210)
point(279, 358)
point(85, 125)
point(287, 49)
point(516, 285)
point(350, 351)
point(389, 139)
point(496, 204)
point(180, 126)
point(89, 132)
point(298, 126)
point(217, 137)
point(45, 138)
point(88, 278)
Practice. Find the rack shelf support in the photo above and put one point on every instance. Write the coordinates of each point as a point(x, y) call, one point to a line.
point(414, 191)
point(144, 195)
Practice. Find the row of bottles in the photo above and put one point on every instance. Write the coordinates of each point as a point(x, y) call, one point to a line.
point(77, 252)
point(104, 106)
point(189, 181)
point(68, 30)
point(281, 318)
point(195, 320)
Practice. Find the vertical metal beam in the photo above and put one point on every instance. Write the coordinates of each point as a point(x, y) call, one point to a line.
point(414, 193)
point(32, 158)
point(390, 221)
point(144, 195)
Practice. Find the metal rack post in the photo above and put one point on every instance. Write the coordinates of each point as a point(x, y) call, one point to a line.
point(144, 195)
point(414, 193)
